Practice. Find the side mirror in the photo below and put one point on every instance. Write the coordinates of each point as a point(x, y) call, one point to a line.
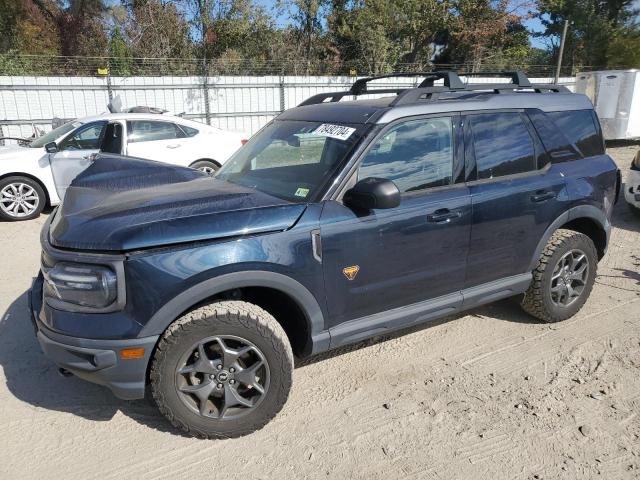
point(371, 193)
point(51, 147)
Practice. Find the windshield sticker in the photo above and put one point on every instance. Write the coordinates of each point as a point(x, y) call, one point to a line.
point(302, 192)
point(333, 131)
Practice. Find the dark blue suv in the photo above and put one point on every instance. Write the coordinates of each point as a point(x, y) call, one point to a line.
point(338, 221)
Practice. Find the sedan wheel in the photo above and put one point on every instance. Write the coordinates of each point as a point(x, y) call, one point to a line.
point(20, 198)
point(206, 166)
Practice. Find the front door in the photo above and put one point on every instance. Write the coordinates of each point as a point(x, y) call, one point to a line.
point(385, 259)
point(74, 154)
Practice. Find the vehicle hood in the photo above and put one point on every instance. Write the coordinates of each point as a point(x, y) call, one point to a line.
point(122, 203)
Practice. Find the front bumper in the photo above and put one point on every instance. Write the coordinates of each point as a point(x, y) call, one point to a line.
point(632, 188)
point(95, 360)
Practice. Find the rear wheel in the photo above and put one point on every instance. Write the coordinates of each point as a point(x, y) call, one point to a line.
point(21, 198)
point(223, 370)
point(207, 166)
point(564, 277)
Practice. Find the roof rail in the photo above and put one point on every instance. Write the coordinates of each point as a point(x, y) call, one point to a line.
point(517, 77)
point(428, 91)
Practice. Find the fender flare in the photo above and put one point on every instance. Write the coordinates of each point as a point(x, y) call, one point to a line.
point(171, 310)
point(581, 211)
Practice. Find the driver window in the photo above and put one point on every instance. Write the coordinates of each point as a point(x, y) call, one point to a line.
point(415, 155)
point(86, 137)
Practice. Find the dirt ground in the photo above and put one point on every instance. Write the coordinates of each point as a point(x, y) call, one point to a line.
point(492, 394)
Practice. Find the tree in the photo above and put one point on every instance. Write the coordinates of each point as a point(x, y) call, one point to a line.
point(156, 29)
point(305, 15)
point(419, 26)
point(80, 25)
point(482, 29)
point(119, 53)
point(594, 26)
point(26, 29)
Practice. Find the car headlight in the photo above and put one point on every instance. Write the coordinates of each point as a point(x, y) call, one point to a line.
point(80, 284)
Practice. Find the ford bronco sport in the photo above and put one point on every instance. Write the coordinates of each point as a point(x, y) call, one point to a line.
point(338, 221)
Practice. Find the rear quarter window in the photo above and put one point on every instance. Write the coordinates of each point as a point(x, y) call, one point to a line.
point(189, 131)
point(580, 128)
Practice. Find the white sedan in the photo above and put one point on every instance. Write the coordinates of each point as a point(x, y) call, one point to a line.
point(39, 173)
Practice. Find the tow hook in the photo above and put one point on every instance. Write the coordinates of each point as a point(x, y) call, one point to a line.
point(64, 372)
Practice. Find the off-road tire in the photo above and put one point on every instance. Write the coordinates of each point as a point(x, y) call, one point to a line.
point(37, 188)
point(537, 299)
point(235, 318)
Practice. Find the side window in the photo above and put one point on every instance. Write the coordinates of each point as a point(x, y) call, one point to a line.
point(150, 131)
point(86, 137)
point(580, 128)
point(502, 144)
point(415, 155)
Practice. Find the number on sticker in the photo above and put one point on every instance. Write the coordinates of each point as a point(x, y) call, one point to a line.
point(334, 131)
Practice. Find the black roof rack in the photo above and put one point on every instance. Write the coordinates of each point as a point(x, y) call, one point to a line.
point(428, 91)
point(517, 76)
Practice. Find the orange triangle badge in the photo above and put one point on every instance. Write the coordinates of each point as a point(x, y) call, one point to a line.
point(351, 272)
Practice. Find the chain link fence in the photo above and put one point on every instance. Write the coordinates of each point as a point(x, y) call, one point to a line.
point(43, 65)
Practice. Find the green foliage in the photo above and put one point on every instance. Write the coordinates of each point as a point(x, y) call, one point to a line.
point(595, 27)
point(624, 48)
point(120, 54)
point(154, 37)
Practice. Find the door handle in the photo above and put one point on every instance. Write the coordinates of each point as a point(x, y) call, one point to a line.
point(175, 145)
point(443, 215)
point(542, 196)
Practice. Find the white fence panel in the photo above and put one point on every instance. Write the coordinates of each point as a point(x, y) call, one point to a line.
point(234, 102)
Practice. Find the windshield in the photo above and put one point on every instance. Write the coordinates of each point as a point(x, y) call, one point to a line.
point(291, 159)
point(54, 134)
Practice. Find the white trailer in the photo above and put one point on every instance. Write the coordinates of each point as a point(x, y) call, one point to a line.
point(615, 94)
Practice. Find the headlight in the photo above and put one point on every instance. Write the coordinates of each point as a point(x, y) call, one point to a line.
point(80, 284)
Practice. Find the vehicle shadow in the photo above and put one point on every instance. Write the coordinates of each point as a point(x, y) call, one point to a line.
point(507, 310)
point(34, 379)
point(623, 217)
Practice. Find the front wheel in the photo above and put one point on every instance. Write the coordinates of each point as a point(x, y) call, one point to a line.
point(21, 198)
point(563, 278)
point(223, 370)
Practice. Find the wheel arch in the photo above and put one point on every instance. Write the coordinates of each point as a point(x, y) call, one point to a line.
point(276, 293)
point(205, 160)
point(31, 177)
point(585, 219)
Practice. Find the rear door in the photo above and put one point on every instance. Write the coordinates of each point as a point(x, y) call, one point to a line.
point(74, 154)
point(515, 194)
point(384, 259)
point(162, 141)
